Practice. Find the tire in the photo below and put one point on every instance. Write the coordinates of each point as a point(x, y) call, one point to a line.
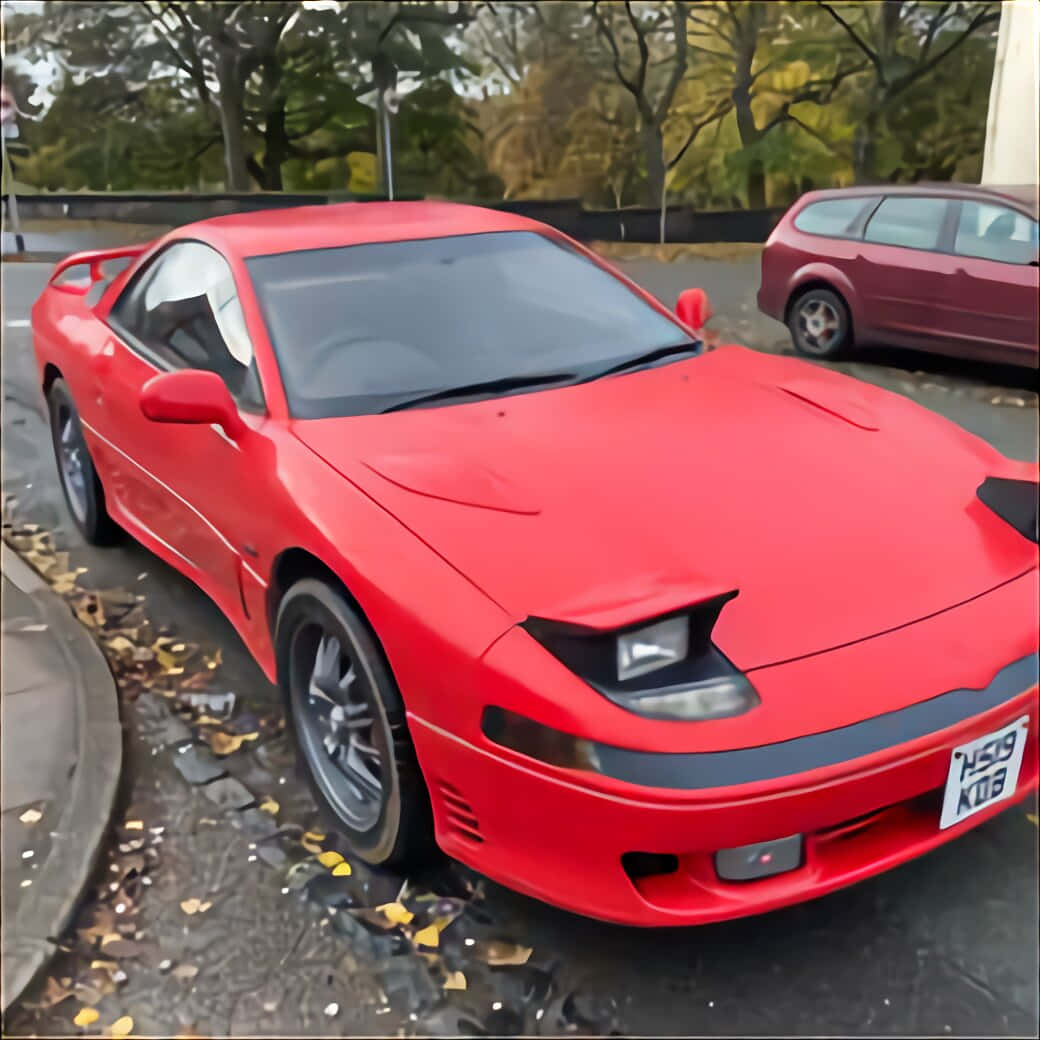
point(819, 324)
point(80, 484)
point(320, 640)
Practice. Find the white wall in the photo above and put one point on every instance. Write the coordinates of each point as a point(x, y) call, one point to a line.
point(1011, 126)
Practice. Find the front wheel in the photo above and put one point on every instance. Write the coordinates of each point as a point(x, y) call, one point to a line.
point(819, 324)
point(350, 728)
point(80, 484)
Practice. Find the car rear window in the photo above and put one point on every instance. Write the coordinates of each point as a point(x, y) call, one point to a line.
point(834, 217)
point(992, 232)
point(908, 221)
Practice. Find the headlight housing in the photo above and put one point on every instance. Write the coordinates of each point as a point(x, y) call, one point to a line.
point(665, 669)
point(654, 647)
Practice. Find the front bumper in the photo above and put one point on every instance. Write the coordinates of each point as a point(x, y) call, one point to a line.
point(554, 839)
point(866, 794)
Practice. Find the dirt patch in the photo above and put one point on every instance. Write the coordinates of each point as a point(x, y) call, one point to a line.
point(671, 251)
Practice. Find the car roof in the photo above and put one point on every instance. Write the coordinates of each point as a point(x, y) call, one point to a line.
point(296, 228)
point(1022, 196)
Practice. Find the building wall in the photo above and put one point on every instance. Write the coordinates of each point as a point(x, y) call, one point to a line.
point(1011, 126)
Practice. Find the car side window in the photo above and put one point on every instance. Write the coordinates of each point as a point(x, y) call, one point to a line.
point(834, 217)
point(185, 310)
point(992, 232)
point(908, 221)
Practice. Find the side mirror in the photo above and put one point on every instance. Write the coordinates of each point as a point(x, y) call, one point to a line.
point(693, 308)
point(190, 396)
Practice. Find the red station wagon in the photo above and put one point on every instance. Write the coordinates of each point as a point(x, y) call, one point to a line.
point(945, 268)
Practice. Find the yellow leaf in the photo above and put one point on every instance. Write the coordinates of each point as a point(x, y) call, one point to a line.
point(329, 859)
point(111, 937)
point(203, 907)
point(134, 825)
point(428, 936)
point(1032, 818)
point(85, 1016)
point(311, 841)
point(224, 743)
point(455, 980)
point(269, 805)
point(341, 869)
point(120, 644)
point(31, 816)
point(122, 1026)
point(191, 906)
point(499, 953)
point(396, 912)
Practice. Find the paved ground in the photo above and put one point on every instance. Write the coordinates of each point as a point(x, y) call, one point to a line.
point(62, 749)
point(944, 945)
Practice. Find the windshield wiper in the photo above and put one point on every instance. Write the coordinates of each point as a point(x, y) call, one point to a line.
point(644, 359)
point(488, 386)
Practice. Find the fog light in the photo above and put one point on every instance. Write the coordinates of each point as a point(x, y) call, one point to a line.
point(763, 859)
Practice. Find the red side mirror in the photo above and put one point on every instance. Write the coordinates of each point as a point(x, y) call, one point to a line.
point(190, 396)
point(693, 308)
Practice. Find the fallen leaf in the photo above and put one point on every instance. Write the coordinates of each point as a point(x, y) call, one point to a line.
point(191, 906)
point(1032, 818)
point(455, 980)
point(329, 859)
point(85, 1016)
point(342, 870)
point(185, 972)
point(54, 993)
point(269, 805)
point(31, 816)
point(398, 913)
point(312, 840)
point(134, 825)
point(104, 965)
point(499, 953)
point(122, 1026)
point(227, 743)
point(428, 936)
point(101, 922)
point(120, 644)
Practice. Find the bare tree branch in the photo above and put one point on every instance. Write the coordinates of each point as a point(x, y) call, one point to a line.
point(853, 35)
point(718, 112)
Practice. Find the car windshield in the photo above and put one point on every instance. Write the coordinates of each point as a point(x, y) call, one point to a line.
point(361, 329)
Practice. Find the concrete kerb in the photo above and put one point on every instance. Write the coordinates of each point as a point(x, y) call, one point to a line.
point(48, 906)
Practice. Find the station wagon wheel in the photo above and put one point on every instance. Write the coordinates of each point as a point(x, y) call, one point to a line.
point(350, 728)
point(819, 323)
point(80, 484)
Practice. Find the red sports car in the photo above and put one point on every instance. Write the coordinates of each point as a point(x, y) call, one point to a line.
point(658, 634)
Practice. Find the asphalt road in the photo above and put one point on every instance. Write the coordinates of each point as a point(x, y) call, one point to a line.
point(943, 945)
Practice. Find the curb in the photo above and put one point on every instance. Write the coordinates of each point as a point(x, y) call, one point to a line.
point(68, 867)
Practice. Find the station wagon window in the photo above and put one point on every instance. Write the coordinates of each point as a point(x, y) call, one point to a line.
point(908, 221)
point(185, 310)
point(993, 232)
point(834, 217)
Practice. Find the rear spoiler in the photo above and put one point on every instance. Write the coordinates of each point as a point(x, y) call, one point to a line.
point(94, 260)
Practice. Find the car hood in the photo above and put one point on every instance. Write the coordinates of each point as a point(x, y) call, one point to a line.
point(838, 511)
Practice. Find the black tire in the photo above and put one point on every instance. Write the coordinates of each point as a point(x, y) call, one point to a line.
point(399, 830)
point(80, 484)
point(819, 323)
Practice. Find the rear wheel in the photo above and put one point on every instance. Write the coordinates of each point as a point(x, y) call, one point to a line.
point(80, 484)
point(350, 728)
point(819, 324)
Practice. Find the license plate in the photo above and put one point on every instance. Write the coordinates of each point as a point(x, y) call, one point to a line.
point(983, 772)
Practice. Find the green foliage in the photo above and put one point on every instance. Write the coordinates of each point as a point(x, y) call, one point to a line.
point(758, 101)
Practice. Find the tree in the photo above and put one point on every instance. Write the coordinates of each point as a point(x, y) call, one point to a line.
point(903, 43)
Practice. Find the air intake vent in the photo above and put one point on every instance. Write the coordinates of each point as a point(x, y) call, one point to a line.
point(459, 815)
